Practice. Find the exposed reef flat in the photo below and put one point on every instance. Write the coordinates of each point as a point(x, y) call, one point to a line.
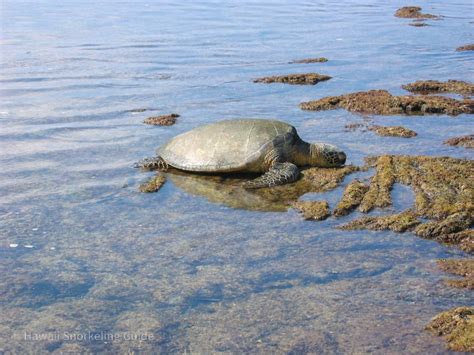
point(444, 193)
point(381, 102)
point(316, 210)
point(462, 141)
point(457, 328)
point(412, 12)
point(435, 86)
point(467, 47)
point(309, 60)
point(351, 198)
point(294, 79)
point(163, 120)
point(393, 131)
point(460, 267)
point(153, 185)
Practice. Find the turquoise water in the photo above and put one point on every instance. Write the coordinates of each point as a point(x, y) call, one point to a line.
point(84, 256)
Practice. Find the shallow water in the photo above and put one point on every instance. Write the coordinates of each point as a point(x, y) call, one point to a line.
point(83, 252)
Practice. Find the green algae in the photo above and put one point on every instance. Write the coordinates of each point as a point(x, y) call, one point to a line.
point(294, 79)
point(313, 210)
point(351, 198)
point(381, 102)
point(456, 326)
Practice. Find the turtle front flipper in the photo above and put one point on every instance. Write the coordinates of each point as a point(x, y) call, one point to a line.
point(155, 163)
point(279, 174)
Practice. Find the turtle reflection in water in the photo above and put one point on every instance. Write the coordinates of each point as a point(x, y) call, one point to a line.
point(245, 146)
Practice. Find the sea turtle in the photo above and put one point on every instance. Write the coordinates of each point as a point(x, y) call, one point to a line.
point(245, 145)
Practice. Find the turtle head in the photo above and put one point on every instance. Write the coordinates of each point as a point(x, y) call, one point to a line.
point(326, 155)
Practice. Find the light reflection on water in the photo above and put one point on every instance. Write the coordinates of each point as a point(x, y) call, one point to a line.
point(95, 255)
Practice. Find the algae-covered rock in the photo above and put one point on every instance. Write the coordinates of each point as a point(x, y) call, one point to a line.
point(464, 240)
point(316, 210)
point(412, 12)
point(164, 120)
point(352, 197)
point(457, 328)
point(453, 223)
point(467, 47)
point(435, 86)
point(326, 179)
point(310, 60)
point(418, 24)
point(393, 131)
point(400, 222)
point(460, 267)
point(462, 141)
point(294, 79)
point(153, 185)
point(381, 102)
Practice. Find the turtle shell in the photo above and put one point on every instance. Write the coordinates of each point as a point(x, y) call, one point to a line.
point(226, 146)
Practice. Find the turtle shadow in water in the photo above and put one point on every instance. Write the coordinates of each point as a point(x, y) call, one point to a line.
point(227, 189)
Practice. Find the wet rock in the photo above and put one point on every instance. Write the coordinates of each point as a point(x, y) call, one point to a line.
point(444, 191)
point(400, 222)
point(463, 240)
point(460, 267)
point(309, 60)
point(462, 141)
point(315, 210)
point(456, 326)
point(153, 185)
point(435, 86)
point(294, 79)
point(412, 12)
point(137, 110)
point(352, 197)
point(467, 47)
point(381, 102)
point(418, 24)
point(163, 120)
point(353, 126)
point(393, 131)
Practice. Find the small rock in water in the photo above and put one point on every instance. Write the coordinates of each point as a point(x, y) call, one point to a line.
point(153, 185)
point(412, 12)
point(467, 47)
point(393, 131)
point(316, 210)
point(294, 79)
point(163, 120)
point(462, 141)
point(309, 60)
point(435, 86)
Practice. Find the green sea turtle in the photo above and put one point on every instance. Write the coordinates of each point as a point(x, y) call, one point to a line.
point(245, 145)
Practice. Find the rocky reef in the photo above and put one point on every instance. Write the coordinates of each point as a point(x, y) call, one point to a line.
point(294, 79)
point(310, 60)
point(435, 86)
point(462, 141)
point(381, 102)
point(316, 210)
point(412, 12)
point(163, 120)
point(393, 131)
point(467, 47)
point(154, 184)
point(459, 267)
point(456, 326)
point(351, 198)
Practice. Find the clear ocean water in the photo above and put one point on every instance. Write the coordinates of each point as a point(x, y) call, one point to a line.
point(88, 263)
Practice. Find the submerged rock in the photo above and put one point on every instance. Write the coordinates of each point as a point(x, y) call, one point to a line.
point(460, 267)
point(462, 141)
point(352, 197)
point(467, 47)
point(418, 24)
point(294, 79)
point(400, 222)
point(393, 131)
point(310, 60)
point(435, 86)
point(153, 185)
point(381, 102)
point(457, 328)
point(463, 240)
point(412, 12)
point(163, 120)
point(316, 210)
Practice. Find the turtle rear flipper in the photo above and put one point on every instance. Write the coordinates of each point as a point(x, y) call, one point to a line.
point(279, 174)
point(155, 163)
